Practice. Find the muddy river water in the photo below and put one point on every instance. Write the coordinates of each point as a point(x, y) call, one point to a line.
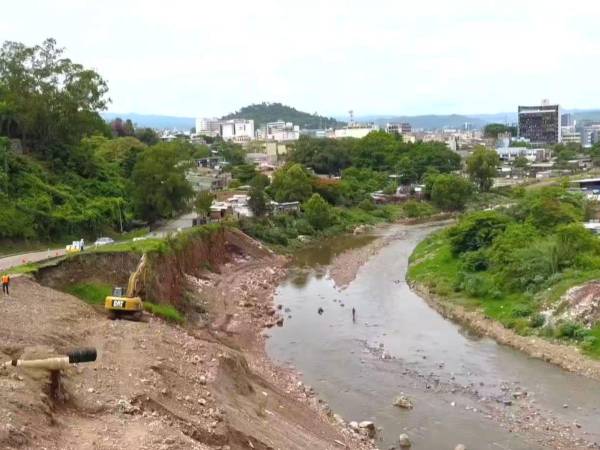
point(465, 388)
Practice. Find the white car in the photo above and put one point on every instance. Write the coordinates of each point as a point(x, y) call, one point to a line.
point(103, 241)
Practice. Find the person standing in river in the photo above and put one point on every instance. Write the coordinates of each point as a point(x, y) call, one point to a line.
point(353, 315)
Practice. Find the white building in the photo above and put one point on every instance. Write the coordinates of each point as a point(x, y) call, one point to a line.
point(357, 131)
point(208, 126)
point(238, 130)
point(281, 131)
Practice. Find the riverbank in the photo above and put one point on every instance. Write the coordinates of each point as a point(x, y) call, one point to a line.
point(565, 356)
point(205, 385)
point(465, 388)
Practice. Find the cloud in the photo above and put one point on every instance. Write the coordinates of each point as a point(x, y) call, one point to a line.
point(390, 57)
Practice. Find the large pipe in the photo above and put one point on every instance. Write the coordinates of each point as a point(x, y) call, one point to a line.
point(58, 362)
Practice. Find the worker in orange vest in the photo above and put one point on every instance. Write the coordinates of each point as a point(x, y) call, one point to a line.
point(5, 283)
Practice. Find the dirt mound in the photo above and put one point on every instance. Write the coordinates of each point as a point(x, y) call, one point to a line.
point(582, 303)
point(154, 385)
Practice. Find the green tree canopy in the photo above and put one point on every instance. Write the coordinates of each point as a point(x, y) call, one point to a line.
point(318, 212)
point(449, 192)
point(158, 185)
point(482, 167)
point(291, 183)
point(203, 202)
point(52, 101)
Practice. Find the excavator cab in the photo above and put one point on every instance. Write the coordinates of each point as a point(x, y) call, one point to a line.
point(119, 304)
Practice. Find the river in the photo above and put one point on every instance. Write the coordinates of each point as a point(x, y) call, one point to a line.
point(465, 388)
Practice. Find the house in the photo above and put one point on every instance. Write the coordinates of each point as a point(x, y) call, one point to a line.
point(285, 207)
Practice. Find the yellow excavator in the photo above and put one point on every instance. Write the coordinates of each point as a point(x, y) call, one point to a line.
point(127, 303)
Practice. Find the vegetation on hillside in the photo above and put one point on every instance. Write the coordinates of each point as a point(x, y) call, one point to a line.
point(64, 173)
point(263, 113)
point(516, 262)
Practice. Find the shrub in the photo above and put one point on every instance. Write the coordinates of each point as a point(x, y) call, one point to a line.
point(521, 311)
point(572, 330)
point(537, 321)
point(415, 209)
point(477, 230)
point(589, 342)
point(318, 212)
point(475, 261)
point(367, 205)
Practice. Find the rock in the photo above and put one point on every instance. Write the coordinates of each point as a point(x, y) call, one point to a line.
point(202, 380)
point(369, 428)
point(353, 426)
point(460, 447)
point(519, 394)
point(339, 419)
point(404, 441)
point(403, 401)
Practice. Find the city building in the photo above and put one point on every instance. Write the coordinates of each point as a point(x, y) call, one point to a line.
point(399, 128)
point(208, 126)
point(570, 135)
point(540, 124)
point(356, 131)
point(280, 131)
point(567, 120)
point(532, 154)
point(590, 135)
point(237, 130)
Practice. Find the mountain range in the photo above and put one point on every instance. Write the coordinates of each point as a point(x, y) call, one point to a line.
point(270, 112)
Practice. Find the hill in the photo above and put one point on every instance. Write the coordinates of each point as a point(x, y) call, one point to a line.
point(263, 113)
point(153, 120)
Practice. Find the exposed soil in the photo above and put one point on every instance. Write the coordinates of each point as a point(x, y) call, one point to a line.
point(205, 385)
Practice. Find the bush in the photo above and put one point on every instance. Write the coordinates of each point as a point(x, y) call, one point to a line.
point(318, 212)
point(537, 321)
point(367, 205)
point(589, 342)
point(521, 311)
point(477, 230)
point(572, 330)
point(475, 261)
point(415, 209)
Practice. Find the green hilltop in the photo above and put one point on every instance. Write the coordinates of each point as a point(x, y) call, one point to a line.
point(263, 113)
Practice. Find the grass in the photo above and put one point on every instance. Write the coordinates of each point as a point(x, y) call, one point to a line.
point(91, 293)
point(22, 269)
point(167, 312)
point(145, 245)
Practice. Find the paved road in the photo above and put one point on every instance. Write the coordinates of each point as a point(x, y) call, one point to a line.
point(24, 258)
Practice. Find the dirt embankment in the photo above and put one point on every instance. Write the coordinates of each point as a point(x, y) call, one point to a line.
point(206, 385)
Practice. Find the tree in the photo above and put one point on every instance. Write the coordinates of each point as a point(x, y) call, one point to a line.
point(482, 167)
point(449, 192)
point(318, 212)
point(159, 188)
point(258, 200)
point(521, 162)
point(244, 172)
point(291, 184)
point(146, 135)
point(128, 128)
point(203, 202)
point(53, 102)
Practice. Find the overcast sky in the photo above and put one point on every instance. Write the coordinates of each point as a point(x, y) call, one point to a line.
point(205, 58)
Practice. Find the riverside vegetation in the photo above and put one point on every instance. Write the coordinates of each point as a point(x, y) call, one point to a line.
point(516, 262)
